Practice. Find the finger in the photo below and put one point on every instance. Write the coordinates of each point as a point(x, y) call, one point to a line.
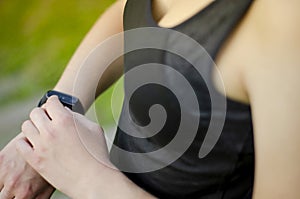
point(30, 132)
point(46, 194)
point(39, 118)
point(6, 194)
point(54, 107)
point(75, 114)
point(24, 148)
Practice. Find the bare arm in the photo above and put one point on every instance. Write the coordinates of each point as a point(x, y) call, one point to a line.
point(273, 85)
point(50, 151)
point(110, 23)
point(275, 97)
point(17, 178)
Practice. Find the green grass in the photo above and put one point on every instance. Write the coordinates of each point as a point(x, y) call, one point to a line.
point(37, 39)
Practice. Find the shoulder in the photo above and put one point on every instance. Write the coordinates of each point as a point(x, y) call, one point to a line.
point(273, 85)
point(277, 23)
point(274, 29)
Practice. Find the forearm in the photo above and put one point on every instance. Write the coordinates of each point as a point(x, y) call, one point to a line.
point(102, 30)
point(110, 183)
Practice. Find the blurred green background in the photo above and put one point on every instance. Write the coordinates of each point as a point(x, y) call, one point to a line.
point(37, 39)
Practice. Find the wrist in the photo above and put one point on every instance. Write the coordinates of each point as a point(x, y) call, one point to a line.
point(82, 94)
point(70, 101)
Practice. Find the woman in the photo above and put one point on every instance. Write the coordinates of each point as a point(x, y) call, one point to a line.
point(261, 97)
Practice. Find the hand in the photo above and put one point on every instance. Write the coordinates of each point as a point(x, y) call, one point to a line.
point(63, 146)
point(18, 179)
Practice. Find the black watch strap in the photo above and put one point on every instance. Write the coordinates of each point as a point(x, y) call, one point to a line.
point(67, 100)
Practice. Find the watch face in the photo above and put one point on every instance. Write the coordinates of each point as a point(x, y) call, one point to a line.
point(69, 101)
point(65, 99)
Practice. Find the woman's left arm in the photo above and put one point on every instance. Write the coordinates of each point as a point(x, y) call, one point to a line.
point(273, 85)
point(70, 152)
point(275, 101)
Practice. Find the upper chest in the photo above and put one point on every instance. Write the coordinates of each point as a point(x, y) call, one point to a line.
point(169, 13)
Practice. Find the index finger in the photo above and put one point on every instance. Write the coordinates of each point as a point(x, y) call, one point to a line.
point(6, 194)
point(55, 108)
point(39, 118)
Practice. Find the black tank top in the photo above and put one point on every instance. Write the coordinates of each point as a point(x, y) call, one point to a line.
point(228, 170)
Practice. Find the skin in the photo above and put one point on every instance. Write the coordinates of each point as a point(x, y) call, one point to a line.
point(17, 178)
point(259, 64)
point(52, 126)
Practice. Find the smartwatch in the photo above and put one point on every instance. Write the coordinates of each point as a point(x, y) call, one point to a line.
point(69, 101)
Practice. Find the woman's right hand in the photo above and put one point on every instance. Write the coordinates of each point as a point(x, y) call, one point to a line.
point(18, 179)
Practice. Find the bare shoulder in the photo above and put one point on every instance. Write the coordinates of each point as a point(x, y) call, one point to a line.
point(274, 28)
point(277, 24)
